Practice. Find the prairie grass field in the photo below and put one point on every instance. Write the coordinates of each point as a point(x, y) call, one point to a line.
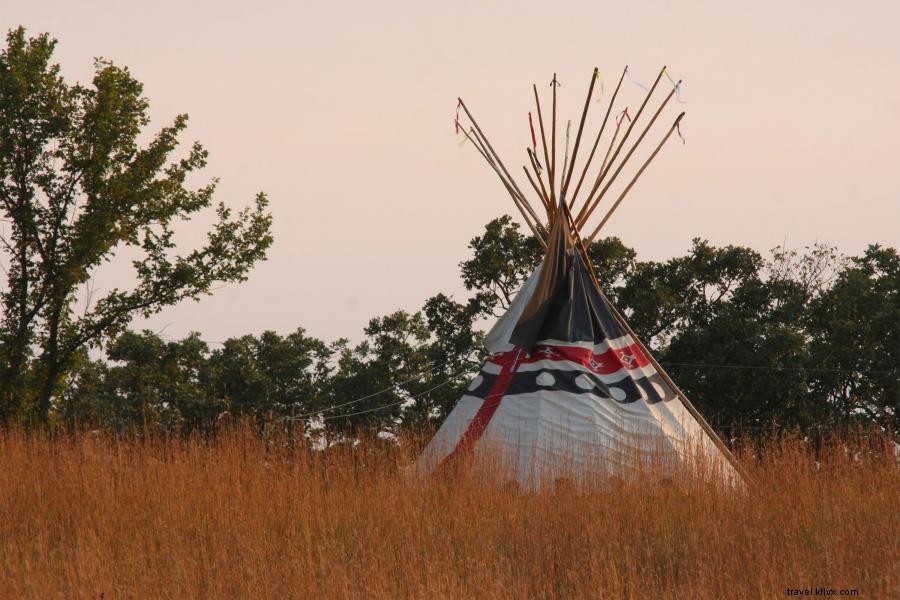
point(233, 516)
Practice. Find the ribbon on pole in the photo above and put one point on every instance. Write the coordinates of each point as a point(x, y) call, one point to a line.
point(600, 79)
point(676, 85)
point(636, 82)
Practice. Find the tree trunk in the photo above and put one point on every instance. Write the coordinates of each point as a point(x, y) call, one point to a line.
point(52, 363)
point(50, 382)
point(12, 375)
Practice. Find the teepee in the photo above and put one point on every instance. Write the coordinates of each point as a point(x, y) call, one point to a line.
point(569, 390)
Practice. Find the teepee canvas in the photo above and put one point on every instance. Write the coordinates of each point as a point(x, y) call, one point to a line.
point(568, 389)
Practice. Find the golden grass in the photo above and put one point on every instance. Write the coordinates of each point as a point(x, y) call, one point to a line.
point(85, 516)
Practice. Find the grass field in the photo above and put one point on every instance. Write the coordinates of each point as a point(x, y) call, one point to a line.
point(85, 516)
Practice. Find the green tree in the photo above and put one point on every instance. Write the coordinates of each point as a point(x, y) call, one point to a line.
point(76, 187)
point(502, 259)
point(150, 385)
point(727, 325)
point(272, 375)
point(854, 329)
point(376, 379)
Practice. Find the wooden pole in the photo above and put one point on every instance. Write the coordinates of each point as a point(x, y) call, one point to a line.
point(553, 85)
point(618, 170)
point(611, 143)
point(587, 102)
point(513, 189)
point(479, 145)
point(650, 358)
point(631, 125)
point(537, 101)
point(565, 160)
point(537, 170)
point(537, 174)
point(515, 199)
point(612, 101)
point(491, 148)
point(634, 179)
point(480, 135)
point(537, 191)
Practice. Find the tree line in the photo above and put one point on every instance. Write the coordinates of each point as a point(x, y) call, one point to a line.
point(790, 340)
point(793, 339)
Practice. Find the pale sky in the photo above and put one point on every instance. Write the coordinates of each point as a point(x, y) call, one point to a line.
point(342, 113)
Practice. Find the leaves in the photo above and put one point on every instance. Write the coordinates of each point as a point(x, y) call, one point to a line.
point(76, 186)
point(800, 339)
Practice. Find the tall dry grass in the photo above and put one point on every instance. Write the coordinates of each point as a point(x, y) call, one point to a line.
point(233, 517)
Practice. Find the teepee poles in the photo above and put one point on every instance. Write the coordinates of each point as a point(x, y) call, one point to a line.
point(634, 179)
point(589, 207)
point(477, 145)
point(553, 84)
point(489, 149)
point(614, 139)
point(537, 101)
point(492, 151)
point(536, 190)
point(650, 358)
point(567, 177)
point(562, 177)
point(545, 197)
point(587, 164)
point(473, 138)
point(537, 173)
point(551, 196)
point(631, 125)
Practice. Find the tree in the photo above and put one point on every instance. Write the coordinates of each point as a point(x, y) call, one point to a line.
point(152, 385)
point(854, 327)
point(502, 259)
point(76, 187)
point(375, 379)
point(727, 325)
point(272, 375)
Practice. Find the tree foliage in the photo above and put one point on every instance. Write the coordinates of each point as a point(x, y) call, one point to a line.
point(77, 188)
point(793, 340)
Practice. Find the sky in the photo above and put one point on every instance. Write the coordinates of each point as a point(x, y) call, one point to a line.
point(342, 113)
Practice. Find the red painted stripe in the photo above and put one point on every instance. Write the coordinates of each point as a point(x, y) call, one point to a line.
point(613, 360)
point(491, 402)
